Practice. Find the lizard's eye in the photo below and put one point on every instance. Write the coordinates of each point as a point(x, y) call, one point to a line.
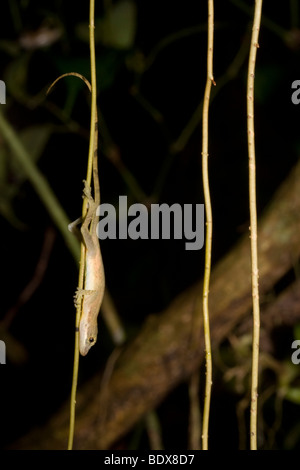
point(91, 339)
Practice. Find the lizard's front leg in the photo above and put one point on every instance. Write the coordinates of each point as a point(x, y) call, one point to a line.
point(72, 227)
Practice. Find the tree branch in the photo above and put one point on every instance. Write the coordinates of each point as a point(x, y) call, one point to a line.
point(170, 346)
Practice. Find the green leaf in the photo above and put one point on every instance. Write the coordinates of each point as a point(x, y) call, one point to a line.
point(267, 78)
point(107, 63)
point(293, 395)
point(297, 331)
point(34, 139)
point(119, 25)
point(116, 29)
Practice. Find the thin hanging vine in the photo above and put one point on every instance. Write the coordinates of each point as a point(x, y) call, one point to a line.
point(253, 223)
point(208, 212)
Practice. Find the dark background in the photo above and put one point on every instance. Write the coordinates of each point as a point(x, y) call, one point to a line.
point(142, 276)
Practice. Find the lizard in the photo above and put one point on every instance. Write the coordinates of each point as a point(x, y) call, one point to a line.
point(94, 284)
point(94, 281)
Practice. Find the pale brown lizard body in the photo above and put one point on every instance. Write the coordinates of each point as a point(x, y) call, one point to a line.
point(94, 284)
point(94, 281)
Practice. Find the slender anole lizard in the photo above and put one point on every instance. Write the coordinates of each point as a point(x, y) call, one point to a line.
point(94, 284)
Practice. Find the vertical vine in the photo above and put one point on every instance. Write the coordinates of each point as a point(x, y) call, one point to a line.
point(253, 222)
point(208, 212)
point(82, 253)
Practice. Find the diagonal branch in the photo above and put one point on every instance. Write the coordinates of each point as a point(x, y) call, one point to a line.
point(163, 354)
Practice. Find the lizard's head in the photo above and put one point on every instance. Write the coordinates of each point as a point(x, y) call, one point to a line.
point(87, 336)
